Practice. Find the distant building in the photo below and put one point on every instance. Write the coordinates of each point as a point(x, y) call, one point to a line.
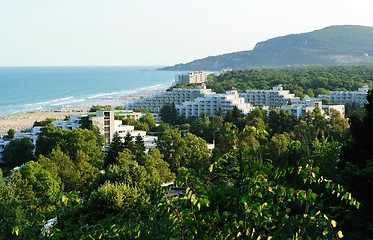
point(31, 133)
point(191, 77)
point(72, 123)
point(276, 97)
point(300, 110)
point(342, 97)
point(176, 95)
point(211, 104)
point(3, 144)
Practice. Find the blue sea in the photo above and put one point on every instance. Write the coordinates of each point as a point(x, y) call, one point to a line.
point(26, 89)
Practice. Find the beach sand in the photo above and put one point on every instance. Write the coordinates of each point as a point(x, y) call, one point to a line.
point(21, 121)
point(25, 120)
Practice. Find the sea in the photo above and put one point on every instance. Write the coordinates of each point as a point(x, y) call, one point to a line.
point(28, 89)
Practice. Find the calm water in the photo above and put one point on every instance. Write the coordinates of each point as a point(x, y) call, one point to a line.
point(25, 89)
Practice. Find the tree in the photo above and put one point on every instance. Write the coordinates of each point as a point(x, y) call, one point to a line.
point(71, 142)
point(149, 120)
point(67, 171)
point(173, 146)
point(33, 182)
point(357, 169)
point(115, 147)
point(197, 153)
point(18, 152)
point(10, 134)
point(169, 114)
point(128, 140)
point(160, 165)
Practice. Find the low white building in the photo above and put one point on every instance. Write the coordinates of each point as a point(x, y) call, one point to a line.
point(300, 110)
point(342, 97)
point(211, 104)
point(276, 97)
point(3, 144)
point(31, 133)
point(70, 124)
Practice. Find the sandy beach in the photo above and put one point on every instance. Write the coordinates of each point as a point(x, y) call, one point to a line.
point(26, 120)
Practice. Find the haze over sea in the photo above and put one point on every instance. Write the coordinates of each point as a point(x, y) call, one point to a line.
point(27, 89)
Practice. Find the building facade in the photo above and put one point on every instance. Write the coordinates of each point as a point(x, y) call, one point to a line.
point(211, 104)
point(342, 97)
point(276, 97)
point(300, 110)
point(176, 95)
point(191, 78)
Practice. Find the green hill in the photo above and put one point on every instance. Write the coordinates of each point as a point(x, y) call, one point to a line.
point(330, 46)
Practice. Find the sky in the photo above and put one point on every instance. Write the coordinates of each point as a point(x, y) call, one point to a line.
point(162, 32)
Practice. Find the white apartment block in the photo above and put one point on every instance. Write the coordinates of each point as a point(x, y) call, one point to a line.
point(300, 110)
point(276, 97)
point(210, 105)
point(176, 95)
point(342, 97)
point(191, 77)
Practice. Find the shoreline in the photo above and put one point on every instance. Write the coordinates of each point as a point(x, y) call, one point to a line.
point(20, 121)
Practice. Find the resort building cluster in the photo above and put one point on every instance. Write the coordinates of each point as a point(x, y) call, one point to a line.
point(197, 102)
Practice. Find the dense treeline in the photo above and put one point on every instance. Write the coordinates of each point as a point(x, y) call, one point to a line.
point(309, 80)
point(270, 175)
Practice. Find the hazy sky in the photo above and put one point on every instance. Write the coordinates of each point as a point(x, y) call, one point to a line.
point(156, 32)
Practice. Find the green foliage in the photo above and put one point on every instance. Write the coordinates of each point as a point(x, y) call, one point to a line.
point(10, 134)
point(18, 152)
point(169, 114)
point(183, 151)
point(70, 142)
point(356, 170)
point(297, 80)
point(96, 108)
point(330, 46)
point(31, 182)
point(113, 197)
point(115, 147)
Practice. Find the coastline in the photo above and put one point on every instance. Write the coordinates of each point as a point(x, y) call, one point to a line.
point(22, 121)
point(25, 120)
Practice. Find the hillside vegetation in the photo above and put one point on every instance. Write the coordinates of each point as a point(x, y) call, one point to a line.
point(331, 46)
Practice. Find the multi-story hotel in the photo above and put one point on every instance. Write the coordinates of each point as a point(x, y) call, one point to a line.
point(106, 123)
point(191, 77)
point(210, 105)
point(300, 110)
point(342, 97)
point(176, 95)
point(276, 97)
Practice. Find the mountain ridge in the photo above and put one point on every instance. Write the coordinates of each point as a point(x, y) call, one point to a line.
point(330, 46)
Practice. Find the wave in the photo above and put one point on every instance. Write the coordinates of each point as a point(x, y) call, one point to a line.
point(109, 98)
point(50, 101)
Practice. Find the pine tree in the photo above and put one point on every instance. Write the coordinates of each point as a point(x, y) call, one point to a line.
point(116, 146)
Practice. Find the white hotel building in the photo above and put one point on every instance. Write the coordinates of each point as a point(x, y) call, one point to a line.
point(276, 97)
point(210, 105)
point(191, 77)
point(176, 95)
point(342, 97)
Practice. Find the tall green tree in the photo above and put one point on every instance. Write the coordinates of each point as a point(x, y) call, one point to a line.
point(357, 170)
point(18, 152)
point(169, 114)
point(115, 147)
